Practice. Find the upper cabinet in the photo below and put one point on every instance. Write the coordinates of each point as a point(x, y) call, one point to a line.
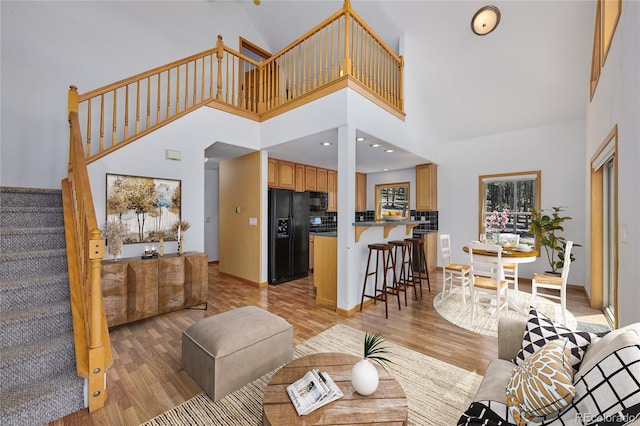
point(321, 180)
point(299, 177)
point(286, 175)
point(310, 178)
point(426, 187)
point(272, 174)
point(361, 192)
point(332, 189)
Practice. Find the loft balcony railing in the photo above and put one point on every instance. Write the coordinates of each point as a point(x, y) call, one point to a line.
point(342, 51)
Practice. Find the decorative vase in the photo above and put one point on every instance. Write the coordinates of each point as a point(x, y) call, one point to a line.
point(364, 377)
point(161, 248)
point(181, 244)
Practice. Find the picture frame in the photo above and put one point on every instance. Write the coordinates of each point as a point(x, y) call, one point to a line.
point(146, 205)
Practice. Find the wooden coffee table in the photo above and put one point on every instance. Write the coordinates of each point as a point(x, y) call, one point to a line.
point(386, 405)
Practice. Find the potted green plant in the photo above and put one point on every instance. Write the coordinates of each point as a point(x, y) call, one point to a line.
point(547, 229)
point(364, 375)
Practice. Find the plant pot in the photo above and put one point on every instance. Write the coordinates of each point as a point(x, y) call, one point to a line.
point(364, 377)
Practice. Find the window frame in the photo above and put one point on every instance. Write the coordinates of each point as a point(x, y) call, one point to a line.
point(513, 176)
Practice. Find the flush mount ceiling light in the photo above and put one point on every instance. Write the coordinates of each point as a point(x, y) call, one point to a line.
point(485, 20)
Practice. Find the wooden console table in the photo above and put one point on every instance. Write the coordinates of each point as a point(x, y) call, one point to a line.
point(135, 288)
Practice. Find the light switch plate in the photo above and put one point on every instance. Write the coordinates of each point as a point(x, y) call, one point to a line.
point(253, 221)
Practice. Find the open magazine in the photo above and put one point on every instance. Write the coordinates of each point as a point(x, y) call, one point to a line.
point(312, 391)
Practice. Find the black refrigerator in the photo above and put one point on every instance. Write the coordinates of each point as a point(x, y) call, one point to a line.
point(288, 235)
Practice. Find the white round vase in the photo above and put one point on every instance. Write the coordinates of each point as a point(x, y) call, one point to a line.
point(364, 377)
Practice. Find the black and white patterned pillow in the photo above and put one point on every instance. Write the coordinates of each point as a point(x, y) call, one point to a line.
point(541, 330)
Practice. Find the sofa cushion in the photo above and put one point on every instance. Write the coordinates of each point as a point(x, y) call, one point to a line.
point(542, 384)
point(495, 381)
point(540, 330)
point(611, 342)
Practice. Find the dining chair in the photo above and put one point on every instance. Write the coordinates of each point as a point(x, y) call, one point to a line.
point(510, 269)
point(451, 271)
point(488, 286)
point(554, 282)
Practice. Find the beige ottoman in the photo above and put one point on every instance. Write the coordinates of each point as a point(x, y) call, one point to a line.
point(227, 351)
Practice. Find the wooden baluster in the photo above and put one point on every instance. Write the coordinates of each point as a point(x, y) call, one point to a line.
point(168, 93)
point(148, 114)
point(177, 106)
point(219, 55)
point(158, 101)
point(346, 66)
point(195, 82)
point(101, 141)
point(137, 107)
point(89, 119)
point(114, 119)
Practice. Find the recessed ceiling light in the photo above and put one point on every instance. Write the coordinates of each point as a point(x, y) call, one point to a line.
point(385, 170)
point(388, 150)
point(326, 143)
point(374, 145)
point(360, 139)
point(485, 20)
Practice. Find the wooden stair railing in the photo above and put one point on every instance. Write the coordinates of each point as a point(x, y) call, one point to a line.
point(341, 51)
point(85, 249)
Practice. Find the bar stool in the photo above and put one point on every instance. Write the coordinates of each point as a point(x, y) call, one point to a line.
point(402, 251)
point(382, 252)
point(417, 261)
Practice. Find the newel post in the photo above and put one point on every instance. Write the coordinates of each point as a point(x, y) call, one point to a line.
point(346, 61)
point(219, 55)
point(97, 353)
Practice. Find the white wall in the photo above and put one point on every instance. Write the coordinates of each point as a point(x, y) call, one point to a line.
point(617, 101)
point(146, 157)
point(557, 151)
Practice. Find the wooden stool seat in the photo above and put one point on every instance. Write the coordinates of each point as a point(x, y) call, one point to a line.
point(383, 251)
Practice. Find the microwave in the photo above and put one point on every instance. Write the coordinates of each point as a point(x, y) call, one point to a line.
point(318, 201)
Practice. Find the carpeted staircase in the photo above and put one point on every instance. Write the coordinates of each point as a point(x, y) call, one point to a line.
point(38, 381)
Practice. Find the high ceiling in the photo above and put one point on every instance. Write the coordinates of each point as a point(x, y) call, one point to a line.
point(532, 71)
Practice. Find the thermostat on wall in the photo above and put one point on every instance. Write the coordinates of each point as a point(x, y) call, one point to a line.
point(171, 154)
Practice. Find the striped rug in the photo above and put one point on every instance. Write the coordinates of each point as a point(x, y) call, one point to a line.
point(450, 307)
point(437, 392)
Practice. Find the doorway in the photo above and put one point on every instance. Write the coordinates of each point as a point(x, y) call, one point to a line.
point(604, 229)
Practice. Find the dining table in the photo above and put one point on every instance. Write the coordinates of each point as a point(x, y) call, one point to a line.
point(510, 255)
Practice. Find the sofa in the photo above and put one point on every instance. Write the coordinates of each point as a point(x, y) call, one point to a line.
point(598, 376)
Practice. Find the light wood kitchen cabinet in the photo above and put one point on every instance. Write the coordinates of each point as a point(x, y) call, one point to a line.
point(310, 178)
point(286, 175)
point(361, 192)
point(134, 288)
point(332, 189)
point(272, 174)
point(321, 180)
point(311, 241)
point(426, 187)
point(325, 272)
point(299, 177)
point(432, 249)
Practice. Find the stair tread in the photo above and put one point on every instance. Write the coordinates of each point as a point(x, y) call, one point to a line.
point(37, 230)
point(20, 353)
point(18, 397)
point(27, 282)
point(33, 254)
point(22, 314)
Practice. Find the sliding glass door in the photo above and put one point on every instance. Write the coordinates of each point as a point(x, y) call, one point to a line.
point(609, 241)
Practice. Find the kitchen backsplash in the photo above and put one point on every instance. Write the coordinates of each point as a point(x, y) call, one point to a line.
point(430, 219)
point(329, 221)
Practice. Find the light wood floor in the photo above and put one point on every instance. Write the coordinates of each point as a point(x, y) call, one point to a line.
point(146, 379)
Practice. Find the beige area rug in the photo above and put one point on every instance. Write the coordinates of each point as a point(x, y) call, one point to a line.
point(437, 392)
point(451, 308)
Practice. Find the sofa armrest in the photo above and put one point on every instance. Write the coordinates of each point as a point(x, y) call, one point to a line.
point(510, 333)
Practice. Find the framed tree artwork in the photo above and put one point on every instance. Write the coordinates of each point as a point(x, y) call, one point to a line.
point(147, 206)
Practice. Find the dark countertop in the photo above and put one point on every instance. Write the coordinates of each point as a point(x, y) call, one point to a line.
point(389, 223)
